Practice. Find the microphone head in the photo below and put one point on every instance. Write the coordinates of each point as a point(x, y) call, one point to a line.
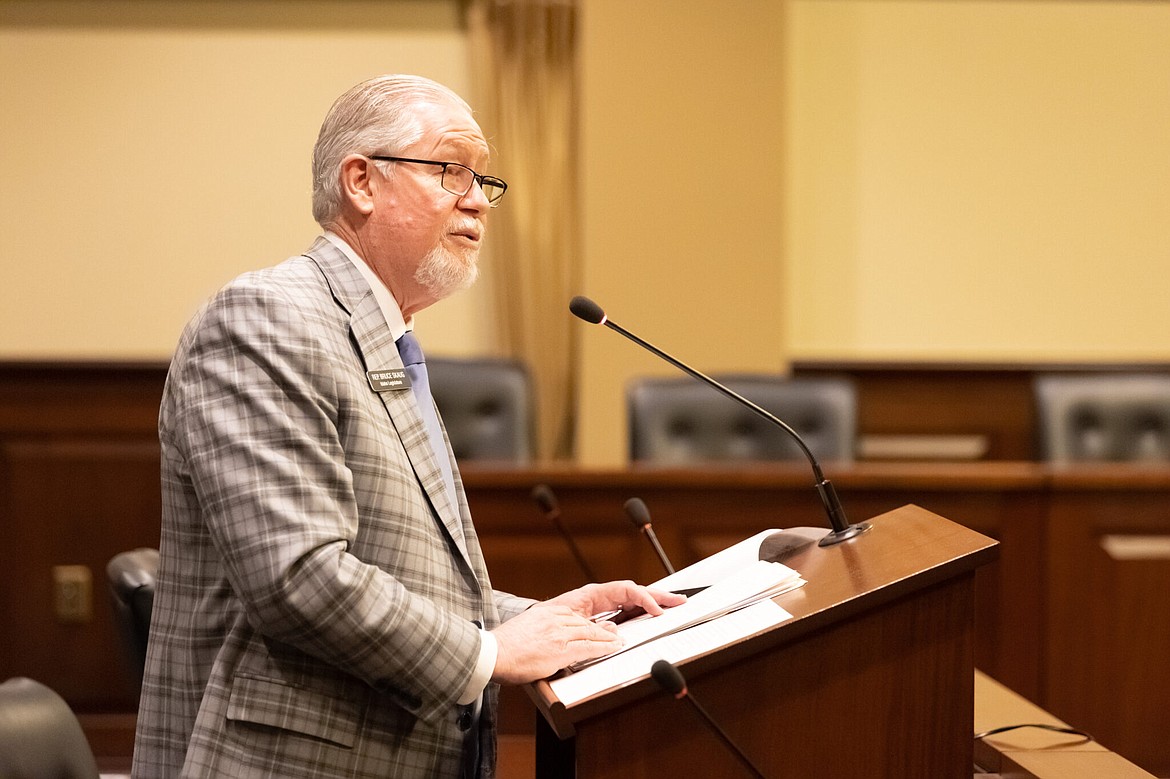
point(544, 497)
point(637, 512)
point(669, 678)
point(584, 308)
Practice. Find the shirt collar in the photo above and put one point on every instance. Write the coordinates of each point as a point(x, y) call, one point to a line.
point(390, 308)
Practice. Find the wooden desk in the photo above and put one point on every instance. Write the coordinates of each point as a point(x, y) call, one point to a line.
point(1032, 753)
point(870, 678)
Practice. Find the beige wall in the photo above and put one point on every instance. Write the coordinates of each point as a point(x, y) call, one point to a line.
point(808, 178)
point(683, 140)
point(154, 150)
point(938, 180)
point(978, 180)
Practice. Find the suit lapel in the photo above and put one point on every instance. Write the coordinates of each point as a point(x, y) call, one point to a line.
point(378, 352)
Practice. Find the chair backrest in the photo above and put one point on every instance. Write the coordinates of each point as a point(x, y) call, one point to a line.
point(1110, 417)
point(487, 407)
point(132, 579)
point(680, 420)
point(40, 737)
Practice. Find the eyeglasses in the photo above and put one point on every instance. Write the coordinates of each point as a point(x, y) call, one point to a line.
point(459, 179)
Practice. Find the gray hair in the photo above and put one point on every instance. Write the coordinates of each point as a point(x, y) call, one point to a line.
point(375, 116)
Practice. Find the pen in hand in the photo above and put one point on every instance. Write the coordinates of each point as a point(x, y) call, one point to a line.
point(618, 615)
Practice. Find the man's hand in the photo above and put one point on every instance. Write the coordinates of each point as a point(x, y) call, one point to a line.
point(625, 595)
point(558, 632)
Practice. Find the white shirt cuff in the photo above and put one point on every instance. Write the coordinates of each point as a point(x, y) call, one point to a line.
point(484, 667)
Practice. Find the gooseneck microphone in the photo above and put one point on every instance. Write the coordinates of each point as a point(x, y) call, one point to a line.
point(640, 515)
point(584, 308)
point(547, 501)
point(671, 679)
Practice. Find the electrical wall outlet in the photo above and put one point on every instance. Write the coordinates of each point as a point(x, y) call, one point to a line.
point(72, 593)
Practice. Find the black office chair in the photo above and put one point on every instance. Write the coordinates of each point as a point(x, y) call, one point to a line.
point(486, 405)
point(1103, 417)
point(680, 420)
point(40, 737)
point(132, 579)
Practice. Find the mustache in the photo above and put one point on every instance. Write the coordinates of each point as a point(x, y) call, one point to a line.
point(472, 228)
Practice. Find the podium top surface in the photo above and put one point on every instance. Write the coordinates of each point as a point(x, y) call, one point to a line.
point(906, 551)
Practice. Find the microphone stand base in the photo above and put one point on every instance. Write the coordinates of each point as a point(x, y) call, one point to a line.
point(837, 536)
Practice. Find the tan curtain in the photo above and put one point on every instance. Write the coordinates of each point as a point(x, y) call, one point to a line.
point(524, 61)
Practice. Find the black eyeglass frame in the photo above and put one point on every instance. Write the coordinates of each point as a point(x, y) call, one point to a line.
point(477, 178)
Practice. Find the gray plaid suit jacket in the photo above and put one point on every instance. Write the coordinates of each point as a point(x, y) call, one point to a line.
point(315, 609)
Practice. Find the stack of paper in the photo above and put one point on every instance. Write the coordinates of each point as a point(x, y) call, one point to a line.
point(756, 581)
point(709, 636)
point(736, 603)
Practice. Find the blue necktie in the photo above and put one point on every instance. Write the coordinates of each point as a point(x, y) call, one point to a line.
point(416, 369)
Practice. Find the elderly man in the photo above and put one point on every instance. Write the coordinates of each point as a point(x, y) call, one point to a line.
point(323, 608)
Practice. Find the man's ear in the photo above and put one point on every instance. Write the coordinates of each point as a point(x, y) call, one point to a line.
point(357, 184)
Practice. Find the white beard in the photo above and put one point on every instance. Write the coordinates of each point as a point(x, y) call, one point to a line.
point(444, 273)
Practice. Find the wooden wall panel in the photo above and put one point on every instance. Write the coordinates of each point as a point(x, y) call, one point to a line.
point(1108, 627)
point(79, 470)
point(66, 502)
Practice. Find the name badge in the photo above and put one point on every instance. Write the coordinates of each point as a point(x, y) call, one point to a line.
point(390, 380)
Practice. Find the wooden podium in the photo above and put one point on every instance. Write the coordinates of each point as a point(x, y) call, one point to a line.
point(873, 676)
